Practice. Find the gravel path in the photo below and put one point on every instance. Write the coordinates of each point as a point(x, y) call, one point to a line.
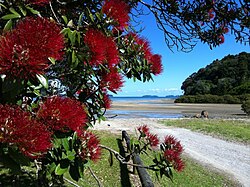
point(228, 157)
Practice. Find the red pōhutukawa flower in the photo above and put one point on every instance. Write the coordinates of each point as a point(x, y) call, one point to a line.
point(62, 114)
point(18, 128)
point(24, 51)
point(117, 10)
point(90, 146)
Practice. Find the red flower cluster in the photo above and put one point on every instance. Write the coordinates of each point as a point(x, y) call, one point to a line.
point(152, 139)
point(221, 39)
point(38, 2)
point(156, 67)
point(106, 101)
point(63, 114)
point(117, 10)
point(103, 49)
point(173, 150)
point(24, 51)
point(143, 46)
point(90, 146)
point(17, 127)
point(144, 130)
point(111, 80)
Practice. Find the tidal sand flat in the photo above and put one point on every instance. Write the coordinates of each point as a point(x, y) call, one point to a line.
point(166, 108)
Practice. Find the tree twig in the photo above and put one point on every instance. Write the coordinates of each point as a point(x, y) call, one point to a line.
point(122, 160)
point(71, 182)
point(95, 177)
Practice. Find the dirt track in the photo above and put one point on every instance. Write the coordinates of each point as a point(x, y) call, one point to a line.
point(231, 158)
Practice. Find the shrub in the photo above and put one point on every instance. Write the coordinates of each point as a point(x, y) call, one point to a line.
point(246, 107)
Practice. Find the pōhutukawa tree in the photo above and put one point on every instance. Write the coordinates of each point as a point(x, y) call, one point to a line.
point(60, 58)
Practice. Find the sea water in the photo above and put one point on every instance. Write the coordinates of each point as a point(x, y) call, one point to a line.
point(124, 113)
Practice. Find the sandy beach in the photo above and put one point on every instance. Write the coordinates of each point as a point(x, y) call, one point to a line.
point(169, 109)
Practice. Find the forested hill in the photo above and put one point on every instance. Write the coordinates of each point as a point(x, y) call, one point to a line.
point(231, 75)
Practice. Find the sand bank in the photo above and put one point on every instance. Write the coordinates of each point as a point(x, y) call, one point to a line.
point(167, 107)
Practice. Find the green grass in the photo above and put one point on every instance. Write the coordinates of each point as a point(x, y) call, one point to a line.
point(233, 130)
point(194, 175)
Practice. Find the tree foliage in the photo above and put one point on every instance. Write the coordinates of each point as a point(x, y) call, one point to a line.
point(230, 75)
point(59, 59)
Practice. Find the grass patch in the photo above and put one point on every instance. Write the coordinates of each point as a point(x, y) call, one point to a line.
point(193, 175)
point(233, 130)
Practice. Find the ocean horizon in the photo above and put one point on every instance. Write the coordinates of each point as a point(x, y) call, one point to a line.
point(130, 98)
point(121, 112)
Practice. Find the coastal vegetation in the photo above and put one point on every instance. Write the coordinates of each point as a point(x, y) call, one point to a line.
point(233, 130)
point(230, 75)
point(223, 81)
point(59, 60)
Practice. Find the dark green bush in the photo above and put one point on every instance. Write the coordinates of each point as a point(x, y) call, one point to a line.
point(208, 98)
point(246, 107)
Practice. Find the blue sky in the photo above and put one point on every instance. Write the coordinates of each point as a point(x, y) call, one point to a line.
point(178, 65)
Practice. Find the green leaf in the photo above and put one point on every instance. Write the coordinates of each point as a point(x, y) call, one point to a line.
point(78, 37)
point(72, 37)
point(8, 25)
point(99, 16)
point(2, 5)
point(37, 92)
point(57, 142)
point(122, 50)
point(70, 23)
point(12, 10)
point(74, 171)
point(19, 157)
point(10, 16)
point(90, 15)
point(65, 31)
point(52, 167)
point(33, 11)
point(8, 162)
point(65, 144)
point(62, 167)
point(70, 155)
point(65, 19)
point(73, 56)
point(24, 12)
point(52, 60)
point(80, 19)
point(43, 80)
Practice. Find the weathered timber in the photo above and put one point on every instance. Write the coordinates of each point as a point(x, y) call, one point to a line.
point(142, 172)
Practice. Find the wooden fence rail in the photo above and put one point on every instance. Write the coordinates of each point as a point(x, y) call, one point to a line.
point(142, 172)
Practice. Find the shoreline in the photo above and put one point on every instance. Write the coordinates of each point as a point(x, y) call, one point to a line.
point(166, 108)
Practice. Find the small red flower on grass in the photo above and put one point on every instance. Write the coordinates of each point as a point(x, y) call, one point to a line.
point(90, 145)
point(19, 128)
point(63, 114)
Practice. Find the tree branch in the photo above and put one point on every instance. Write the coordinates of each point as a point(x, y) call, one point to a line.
point(95, 177)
